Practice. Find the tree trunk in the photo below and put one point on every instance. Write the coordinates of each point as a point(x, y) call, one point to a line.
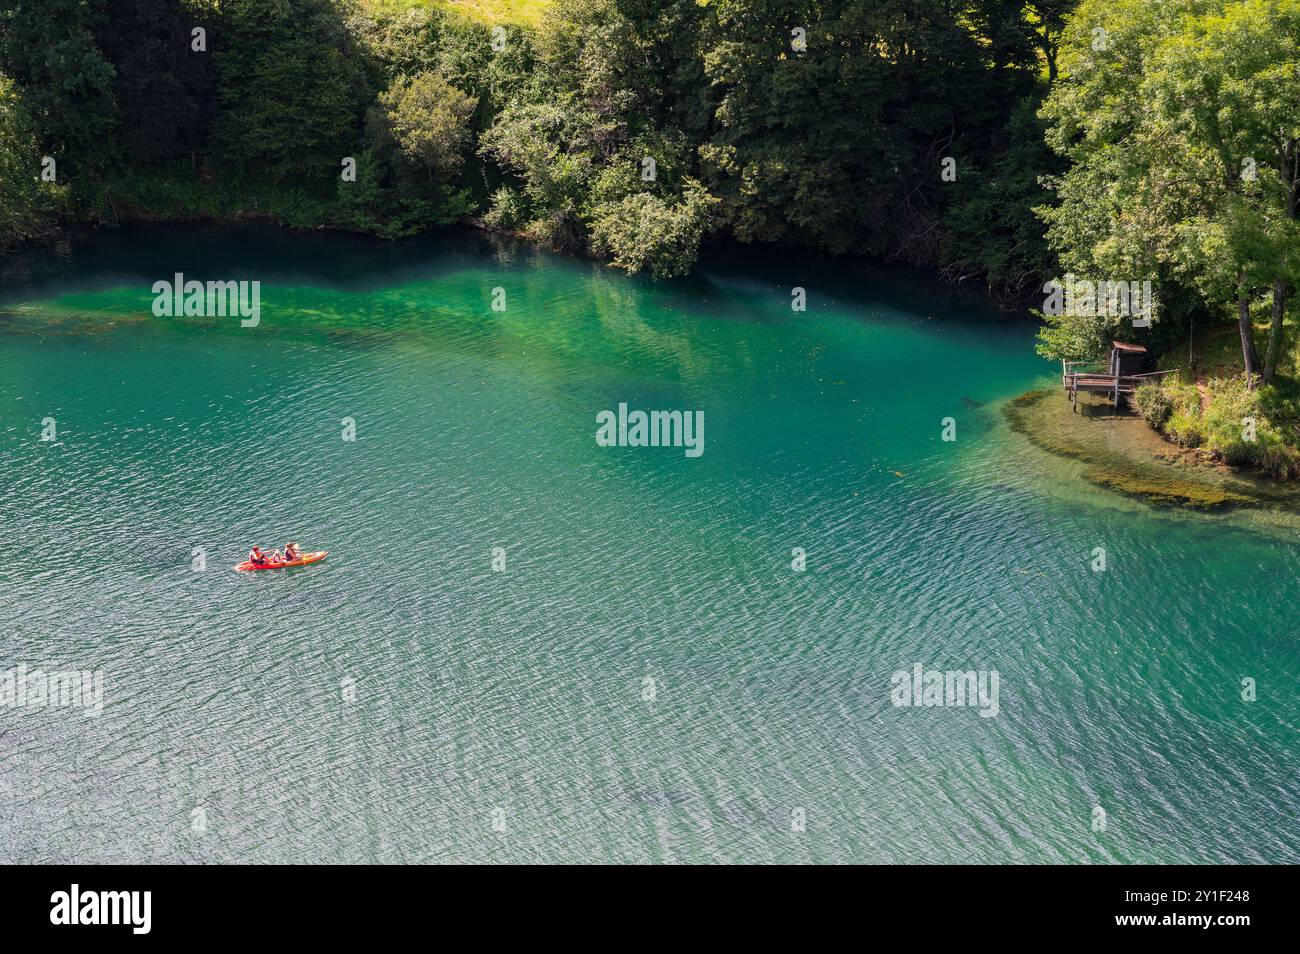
point(1275, 330)
point(1247, 331)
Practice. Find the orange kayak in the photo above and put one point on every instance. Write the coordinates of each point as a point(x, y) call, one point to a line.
point(301, 561)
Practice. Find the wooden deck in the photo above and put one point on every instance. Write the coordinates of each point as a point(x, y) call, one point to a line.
point(1115, 386)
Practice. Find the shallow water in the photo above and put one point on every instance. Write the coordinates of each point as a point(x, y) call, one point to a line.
point(518, 699)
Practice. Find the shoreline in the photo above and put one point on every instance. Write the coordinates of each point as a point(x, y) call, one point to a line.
point(1123, 454)
point(130, 213)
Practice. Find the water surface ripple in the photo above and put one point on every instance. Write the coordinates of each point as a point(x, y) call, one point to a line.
point(522, 695)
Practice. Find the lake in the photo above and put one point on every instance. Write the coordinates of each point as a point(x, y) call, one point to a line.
point(526, 646)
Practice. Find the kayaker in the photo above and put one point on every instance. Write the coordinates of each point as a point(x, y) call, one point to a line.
point(292, 552)
point(256, 556)
point(277, 557)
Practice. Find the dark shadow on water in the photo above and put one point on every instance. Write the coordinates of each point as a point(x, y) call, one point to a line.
point(93, 258)
point(1097, 410)
point(89, 259)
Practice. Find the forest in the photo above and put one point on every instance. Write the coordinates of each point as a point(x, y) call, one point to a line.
point(1000, 144)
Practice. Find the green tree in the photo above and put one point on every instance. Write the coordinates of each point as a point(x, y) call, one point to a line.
point(165, 90)
point(48, 50)
point(1046, 21)
point(642, 232)
point(841, 144)
point(992, 231)
point(27, 203)
point(428, 120)
point(1229, 82)
point(293, 89)
point(1180, 122)
point(543, 145)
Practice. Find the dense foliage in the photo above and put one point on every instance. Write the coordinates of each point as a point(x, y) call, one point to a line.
point(630, 129)
point(27, 202)
point(1181, 124)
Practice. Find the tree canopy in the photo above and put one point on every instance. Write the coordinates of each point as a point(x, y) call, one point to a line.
point(1180, 122)
point(827, 124)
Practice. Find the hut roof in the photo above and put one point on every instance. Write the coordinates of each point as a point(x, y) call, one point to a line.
point(1125, 346)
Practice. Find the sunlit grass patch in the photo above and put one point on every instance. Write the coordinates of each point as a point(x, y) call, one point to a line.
point(521, 12)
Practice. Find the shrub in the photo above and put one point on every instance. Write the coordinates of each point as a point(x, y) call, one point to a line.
point(1184, 397)
point(508, 210)
point(1282, 410)
point(643, 232)
point(428, 119)
point(1279, 461)
point(1174, 408)
point(1186, 429)
point(1240, 428)
point(27, 204)
point(1153, 404)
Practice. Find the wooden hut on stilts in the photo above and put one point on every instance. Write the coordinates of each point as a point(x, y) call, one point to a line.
point(1122, 375)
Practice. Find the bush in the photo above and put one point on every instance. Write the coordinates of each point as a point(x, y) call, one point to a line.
point(1281, 405)
point(1171, 404)
point(28, 206)
point(1184, 397)
point(1280, 461)
point(508, 211)
point(643, 232)
point(1186, 429)
point(428, 120)
point(1241, 427)
point(1153, 404)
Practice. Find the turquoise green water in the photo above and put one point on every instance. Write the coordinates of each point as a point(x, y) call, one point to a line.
point(517, 700)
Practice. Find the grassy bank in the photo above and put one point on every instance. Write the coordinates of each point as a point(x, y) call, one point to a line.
point(490, 12)
point(1123, 454)
point(1208, 407)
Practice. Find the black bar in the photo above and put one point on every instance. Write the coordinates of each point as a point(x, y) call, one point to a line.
point(1174, 905)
